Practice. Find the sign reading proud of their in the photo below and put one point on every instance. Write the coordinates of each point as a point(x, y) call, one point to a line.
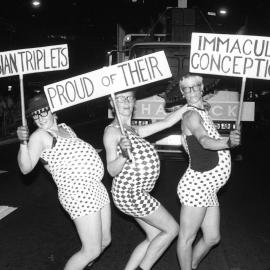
point(136, 72)
point(230, 55)
point(34, 60)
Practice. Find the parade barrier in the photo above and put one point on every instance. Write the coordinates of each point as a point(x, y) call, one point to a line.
point(224, 106)
point(231, 55)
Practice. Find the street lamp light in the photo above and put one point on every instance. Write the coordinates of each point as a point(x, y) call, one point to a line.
point(223, 11)
point(36, 3)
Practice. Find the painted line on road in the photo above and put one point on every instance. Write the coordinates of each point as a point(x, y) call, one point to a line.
point(6, 210)
point(3, 171)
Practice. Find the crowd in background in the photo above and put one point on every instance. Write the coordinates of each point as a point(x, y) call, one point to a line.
point(8, 114)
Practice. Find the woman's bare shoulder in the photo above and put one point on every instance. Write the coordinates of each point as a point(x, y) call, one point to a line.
point(190, 114)
point(112, 131)
point(191, 119)
point(40, 134)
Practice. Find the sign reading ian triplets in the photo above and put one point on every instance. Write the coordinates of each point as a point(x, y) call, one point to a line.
point(25, 61)
point(34, 60)
point(108, 80)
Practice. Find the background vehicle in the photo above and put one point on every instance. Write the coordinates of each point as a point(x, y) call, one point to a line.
point(155, 100)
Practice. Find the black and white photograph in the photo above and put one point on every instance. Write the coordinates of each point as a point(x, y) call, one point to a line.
point(134, 135)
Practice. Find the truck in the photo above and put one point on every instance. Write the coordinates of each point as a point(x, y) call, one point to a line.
point(157, 99)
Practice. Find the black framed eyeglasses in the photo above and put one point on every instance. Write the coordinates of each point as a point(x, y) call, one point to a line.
point(122, 99)
point(194, 88)
point(40, 113)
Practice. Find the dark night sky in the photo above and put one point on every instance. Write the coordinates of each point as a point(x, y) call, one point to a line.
point(89, 27)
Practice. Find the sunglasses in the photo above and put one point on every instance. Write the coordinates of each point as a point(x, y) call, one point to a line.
point(40, 113)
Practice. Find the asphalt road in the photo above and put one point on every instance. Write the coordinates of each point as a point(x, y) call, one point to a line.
point(40, 236)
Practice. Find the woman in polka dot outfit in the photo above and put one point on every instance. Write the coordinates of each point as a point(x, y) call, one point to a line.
point(77, 171)
point(133, 180)
point(209, 169)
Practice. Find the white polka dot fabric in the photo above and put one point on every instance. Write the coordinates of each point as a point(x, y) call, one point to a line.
point(77, 171)
point(199, 189)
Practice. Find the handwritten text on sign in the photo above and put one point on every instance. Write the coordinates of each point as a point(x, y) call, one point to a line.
point(34, 60)
point(230, 55)
point(139, 71)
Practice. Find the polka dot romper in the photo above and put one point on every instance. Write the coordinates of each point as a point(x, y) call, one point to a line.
point(77, 171)
point(208, 170)
point(131, 187)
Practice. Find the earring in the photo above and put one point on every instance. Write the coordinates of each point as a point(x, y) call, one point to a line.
point(55, 118)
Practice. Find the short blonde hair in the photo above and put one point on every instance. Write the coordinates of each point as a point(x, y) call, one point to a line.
point(197, 78)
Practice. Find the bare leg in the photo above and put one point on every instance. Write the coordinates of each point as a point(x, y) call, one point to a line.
point(140, 251)
point(211, 235)
point(90, 233)
point(160, 228)
point(191, 219)
point(106, 225)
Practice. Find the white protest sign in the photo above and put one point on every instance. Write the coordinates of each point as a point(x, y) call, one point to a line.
point(108, 80)
point(230, 55)
point(34, 60)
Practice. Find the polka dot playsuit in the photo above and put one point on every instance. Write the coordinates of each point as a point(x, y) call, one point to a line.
point(77, 171)
point(199, 188)
point(131, 187)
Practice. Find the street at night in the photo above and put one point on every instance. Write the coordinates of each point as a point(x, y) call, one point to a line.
point(158, 93)
point(39, 235)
